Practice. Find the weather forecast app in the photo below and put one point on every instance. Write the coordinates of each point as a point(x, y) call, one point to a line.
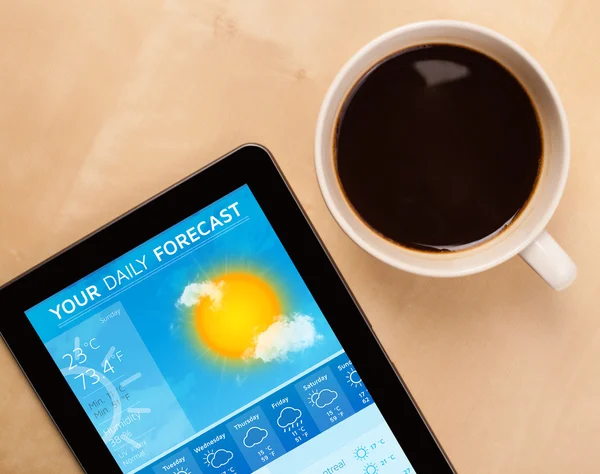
point(216, 451)
point(324, 398)
point(202, 351)
point(111, 371)
point(287, 412)
point(347, 376)
point(256, 438)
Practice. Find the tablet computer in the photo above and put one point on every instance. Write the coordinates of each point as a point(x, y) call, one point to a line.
point(208, 332)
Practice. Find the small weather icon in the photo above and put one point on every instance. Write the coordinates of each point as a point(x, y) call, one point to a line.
point(353, 378)
point(371, 468)
point(361, 453)
point(183, 471)
point(289, 418)
point(254, 436)
point(218, 458)
point(323, 398)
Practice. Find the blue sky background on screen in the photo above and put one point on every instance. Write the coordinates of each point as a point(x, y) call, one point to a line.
point(207, 385)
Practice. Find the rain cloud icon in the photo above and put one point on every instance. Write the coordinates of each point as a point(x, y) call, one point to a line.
point(325, 397)
point(288, 417)
point(254, 436)
point(219, 458)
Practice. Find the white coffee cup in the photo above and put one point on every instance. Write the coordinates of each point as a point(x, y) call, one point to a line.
point(526, 235)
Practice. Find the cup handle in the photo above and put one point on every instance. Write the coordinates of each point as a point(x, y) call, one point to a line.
point(550, 261)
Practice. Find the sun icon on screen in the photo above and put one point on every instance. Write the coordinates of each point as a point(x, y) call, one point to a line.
point(361, 453)
point(353, 378)
point(313, 397)
point(371, 468)
point(241, 307)
point(183, 471)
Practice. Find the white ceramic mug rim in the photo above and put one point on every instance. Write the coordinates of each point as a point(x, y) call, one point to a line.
point(331, 100)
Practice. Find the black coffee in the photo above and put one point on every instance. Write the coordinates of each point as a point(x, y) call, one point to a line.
point(438, 147)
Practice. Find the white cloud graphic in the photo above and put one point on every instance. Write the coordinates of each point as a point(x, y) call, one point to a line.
point(219, 458)
point(292, 334)
point(288, 416)
point(286, 335)
point(325, 397)
point(254, 436)
point(195, 291)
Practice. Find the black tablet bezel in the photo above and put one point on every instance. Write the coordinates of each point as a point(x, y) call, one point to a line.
point(251, 165)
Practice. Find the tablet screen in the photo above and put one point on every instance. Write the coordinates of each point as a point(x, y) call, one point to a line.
point(202, 351)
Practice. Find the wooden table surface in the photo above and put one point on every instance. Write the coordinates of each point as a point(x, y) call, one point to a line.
point(105, 103)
